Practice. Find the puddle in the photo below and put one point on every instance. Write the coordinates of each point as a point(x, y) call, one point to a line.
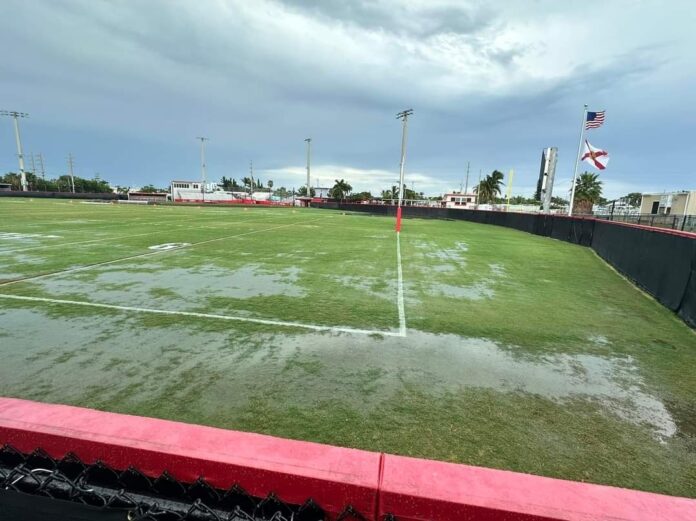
point(114, 360)
point(174, 288)
point(498, 270)
point(387, 286)
point(476, 291)
point(24, 237)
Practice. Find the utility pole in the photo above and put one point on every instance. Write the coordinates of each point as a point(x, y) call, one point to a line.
point(203, 176)
point(251, 176)
point(404, 117)
point(16, 115)
point(478, 190)
point(466, 185)
point(71, 163)
point(309, 159)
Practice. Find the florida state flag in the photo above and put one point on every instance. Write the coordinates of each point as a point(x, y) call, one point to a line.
point(597, 157)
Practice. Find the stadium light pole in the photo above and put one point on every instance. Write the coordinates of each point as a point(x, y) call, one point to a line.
point(403, 116)
point(16, 115)
point(309, 158)
point(71, 163)
point(203, 176)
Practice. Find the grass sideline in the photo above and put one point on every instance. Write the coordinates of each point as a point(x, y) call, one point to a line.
point(521, 352)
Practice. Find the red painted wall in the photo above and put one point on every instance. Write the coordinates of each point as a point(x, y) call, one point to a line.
point(374, 484)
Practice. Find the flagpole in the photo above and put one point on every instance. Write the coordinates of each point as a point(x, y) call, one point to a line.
point(577, 159)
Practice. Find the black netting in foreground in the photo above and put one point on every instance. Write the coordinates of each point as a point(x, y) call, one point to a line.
point(38, 487)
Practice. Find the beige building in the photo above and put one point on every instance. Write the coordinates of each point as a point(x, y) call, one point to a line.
point(674, 203)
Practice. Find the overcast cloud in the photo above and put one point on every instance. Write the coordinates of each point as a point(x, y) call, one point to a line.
point(126, 86)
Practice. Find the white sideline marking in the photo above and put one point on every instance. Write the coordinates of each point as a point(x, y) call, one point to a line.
point(400, 285)
point(149, 254)
point(300, 325)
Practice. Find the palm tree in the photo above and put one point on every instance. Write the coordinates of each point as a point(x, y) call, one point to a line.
point(340, 190)
point(588, 191)
point(270, 187)
point(489, 188)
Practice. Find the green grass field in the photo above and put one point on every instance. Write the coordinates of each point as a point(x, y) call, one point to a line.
point(518, 352)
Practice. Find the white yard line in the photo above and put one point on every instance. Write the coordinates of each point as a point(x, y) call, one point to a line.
point(400, 286)
point(300, 325)
point(149, 254)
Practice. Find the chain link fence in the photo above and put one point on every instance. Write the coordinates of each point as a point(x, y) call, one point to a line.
point(685, 223)
point(36, 486)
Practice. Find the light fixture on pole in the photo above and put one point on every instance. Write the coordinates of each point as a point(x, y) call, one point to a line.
point(203, 174)
point(309, 158)
point(403, 115)
point(16, 115)
point(71, 164)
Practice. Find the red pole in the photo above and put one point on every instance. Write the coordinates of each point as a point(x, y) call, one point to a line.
point(398, 219)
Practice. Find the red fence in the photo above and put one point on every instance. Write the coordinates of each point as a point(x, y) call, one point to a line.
point(375, 485)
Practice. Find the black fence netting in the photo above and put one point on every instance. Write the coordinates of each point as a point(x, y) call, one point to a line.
point(662, 263)
point(37, 487)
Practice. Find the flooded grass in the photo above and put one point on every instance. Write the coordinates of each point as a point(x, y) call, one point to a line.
point(521, 352)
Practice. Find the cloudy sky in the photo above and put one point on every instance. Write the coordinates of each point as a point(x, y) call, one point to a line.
point(126, 86)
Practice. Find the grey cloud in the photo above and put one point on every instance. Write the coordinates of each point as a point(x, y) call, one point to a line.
point(419, 20)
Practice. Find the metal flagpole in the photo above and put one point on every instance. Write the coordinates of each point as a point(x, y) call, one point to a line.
point(404, 117)
point(577, 159)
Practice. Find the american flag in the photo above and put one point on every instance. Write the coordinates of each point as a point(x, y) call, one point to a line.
point(594, 120)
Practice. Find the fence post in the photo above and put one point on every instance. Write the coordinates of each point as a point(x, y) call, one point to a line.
point(683, 222)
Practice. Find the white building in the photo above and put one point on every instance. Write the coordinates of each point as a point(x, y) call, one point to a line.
point(459, 200)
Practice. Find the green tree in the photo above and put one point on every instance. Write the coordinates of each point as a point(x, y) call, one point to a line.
point(489, 188)
point(588, 191)
point(302, 192)
point(270, 185)
point(360, 196)
point(634, 198)
point(340, 190)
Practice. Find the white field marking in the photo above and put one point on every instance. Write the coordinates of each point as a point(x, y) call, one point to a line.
point(149, 254)
point(313, 327)
point(400, 286)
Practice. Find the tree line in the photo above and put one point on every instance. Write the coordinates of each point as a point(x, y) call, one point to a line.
point(62, 183)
